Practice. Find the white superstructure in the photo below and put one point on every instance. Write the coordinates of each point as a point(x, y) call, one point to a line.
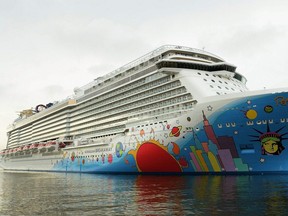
point(155, 86)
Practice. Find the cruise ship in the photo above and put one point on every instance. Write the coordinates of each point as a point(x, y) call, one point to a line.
point(174, 110)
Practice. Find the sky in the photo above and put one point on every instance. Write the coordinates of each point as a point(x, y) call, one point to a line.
point(49, 47)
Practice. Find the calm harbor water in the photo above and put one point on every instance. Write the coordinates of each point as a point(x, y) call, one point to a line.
point(23, 193)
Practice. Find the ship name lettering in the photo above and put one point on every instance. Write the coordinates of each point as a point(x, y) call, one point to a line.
point(280, 100)
point(103, 149)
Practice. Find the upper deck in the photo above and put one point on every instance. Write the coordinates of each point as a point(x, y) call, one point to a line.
point(163, 52)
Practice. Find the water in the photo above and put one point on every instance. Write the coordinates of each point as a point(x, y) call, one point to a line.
point(84, 194)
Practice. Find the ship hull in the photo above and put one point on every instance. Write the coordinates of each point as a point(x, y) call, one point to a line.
point(240, 135)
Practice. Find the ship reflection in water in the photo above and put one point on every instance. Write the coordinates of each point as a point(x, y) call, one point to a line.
point(76, 194)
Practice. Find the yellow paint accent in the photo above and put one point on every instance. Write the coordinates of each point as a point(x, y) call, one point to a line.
point(71, 101)
point(251, 114)
point(214, 162)
point(201, 160)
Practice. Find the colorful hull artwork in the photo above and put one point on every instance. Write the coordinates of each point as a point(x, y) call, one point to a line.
point(246, 135)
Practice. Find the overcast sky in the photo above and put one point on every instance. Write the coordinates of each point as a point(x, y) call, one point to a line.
point(48, 47)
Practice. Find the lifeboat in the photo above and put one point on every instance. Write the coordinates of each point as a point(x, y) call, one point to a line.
point(19, 149)
point(26, 148)
point(11, 151)
point(42, 147)
point(50, 146)
point(62, 145)
point(34, 148)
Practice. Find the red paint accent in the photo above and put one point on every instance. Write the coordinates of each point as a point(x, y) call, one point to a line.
point(183, 162)
point(152, 158)
point(175, 149)
point(110, 158)
point(175, 131)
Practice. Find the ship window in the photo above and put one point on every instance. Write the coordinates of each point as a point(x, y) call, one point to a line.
point(250, 123)
point(211, 86)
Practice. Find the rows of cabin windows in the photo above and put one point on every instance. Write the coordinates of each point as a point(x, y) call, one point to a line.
point(230, 83)
point(152, 102)
point(100, 124)
point(128, 113)
point(27, 132)
point(154, 80)
point(88, 132)
point(133, 102)
point(51, 119)
point(138, 86)
point(49, 136)
point(101, 87)
point(41, 123)
point(46, 134)
point(48, 131)
point(151, 112)
point(168, 111)
point(51, 125)
point(129, 97)
point(128, 87)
